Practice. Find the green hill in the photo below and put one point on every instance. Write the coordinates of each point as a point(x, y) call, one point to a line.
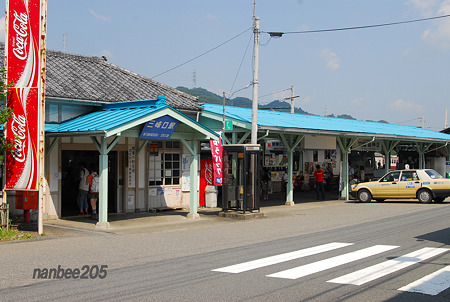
point(205, 96)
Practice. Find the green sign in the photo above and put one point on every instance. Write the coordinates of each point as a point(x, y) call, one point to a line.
point(228, 125)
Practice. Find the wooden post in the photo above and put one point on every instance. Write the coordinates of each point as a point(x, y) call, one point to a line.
point(4, 213)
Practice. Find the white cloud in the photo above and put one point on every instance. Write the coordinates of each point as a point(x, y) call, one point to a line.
point(439, 30)
point(210, 17)
point(331, 59)
point(426, 7)
point(404, 106)
point(98, 16)
point(358, 101)
point(2, 29)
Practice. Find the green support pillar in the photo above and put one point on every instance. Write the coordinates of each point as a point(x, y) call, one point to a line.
point(387, 147)
point(345, 144)
point(421, 149)
point(345, 191)
point(193, 169)
point(193, 185)
point(290, 148)
point(290, 189)
point(447, 150)
point(103, 149)
point(103, 185)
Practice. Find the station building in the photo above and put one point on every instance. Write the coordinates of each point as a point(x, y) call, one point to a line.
point(96, 113)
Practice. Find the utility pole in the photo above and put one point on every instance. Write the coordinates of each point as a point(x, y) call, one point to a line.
point(254, 138)
point(223, 118)
point(194, 78)
point(292, 98)
point(446, 120)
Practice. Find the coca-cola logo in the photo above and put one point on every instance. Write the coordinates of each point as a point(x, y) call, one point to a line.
point(18, 127)
point(20, 25)
point(209, 173)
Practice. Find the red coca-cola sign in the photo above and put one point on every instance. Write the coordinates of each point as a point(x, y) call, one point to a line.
point(22, 60)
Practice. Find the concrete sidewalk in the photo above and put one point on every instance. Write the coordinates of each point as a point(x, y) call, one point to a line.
point(172, 220)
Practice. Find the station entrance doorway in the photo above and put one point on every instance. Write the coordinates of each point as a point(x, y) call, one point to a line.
point(70, 161)
point(241, 177)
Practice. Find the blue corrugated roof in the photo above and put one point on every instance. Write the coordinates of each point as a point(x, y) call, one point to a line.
point(113, 116)
point(320, 123)
point(110, 116)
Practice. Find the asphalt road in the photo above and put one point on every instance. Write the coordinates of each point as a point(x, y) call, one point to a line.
point(328, 251)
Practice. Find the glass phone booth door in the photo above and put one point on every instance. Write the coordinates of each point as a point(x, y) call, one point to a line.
point(241, 181)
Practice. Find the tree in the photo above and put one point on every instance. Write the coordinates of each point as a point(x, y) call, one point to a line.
point(5, 116)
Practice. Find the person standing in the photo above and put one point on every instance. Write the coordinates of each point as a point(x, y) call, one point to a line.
point(362, 174)
point(318, 175)
point(83, 190)
point(285, 179)
point(328, 176)
point(351, 172)
point(93, 181)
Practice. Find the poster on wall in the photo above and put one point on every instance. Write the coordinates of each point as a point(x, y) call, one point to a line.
point(131, 167)
point(185, 162)
point(186, 183)
point(23, 63)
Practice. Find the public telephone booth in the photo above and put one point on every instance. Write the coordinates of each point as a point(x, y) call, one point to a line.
point(241, 177)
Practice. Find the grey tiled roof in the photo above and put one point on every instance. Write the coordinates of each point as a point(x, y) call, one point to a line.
point(88, 78)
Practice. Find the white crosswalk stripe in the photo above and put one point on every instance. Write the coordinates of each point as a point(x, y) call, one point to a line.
point(304, 270)
point(432, 284)
point(388, 267)
point(246, 266)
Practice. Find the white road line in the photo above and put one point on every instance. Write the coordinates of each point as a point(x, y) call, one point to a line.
point(432, 284)
point(304, 270)
point(388, 267)
point(246, 266)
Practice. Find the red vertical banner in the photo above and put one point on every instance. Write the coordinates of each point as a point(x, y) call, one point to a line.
point(23, 67)
point(216, 152)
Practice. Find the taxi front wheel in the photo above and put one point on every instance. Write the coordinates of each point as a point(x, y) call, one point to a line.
point(364, 195)
point(424, 196)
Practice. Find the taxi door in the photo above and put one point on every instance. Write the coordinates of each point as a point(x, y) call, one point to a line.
point(409, 184)
point(387, 186)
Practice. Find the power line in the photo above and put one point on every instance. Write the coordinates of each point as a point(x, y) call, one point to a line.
point(240, 65)
point(206, 52)
point(272, 93)
point(279, 34)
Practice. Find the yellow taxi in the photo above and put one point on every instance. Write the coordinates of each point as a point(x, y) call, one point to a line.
point(424, 184)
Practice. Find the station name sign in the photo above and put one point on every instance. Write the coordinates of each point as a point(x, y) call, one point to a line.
point(160, 128)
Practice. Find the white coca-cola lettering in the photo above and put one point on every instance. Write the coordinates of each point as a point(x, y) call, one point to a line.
point(20, 25)
point(18, 127)
point(209, 174)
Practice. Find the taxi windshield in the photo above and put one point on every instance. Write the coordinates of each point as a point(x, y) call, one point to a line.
point(433, 174)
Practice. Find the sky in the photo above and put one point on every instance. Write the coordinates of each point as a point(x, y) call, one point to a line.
point(398, 73)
